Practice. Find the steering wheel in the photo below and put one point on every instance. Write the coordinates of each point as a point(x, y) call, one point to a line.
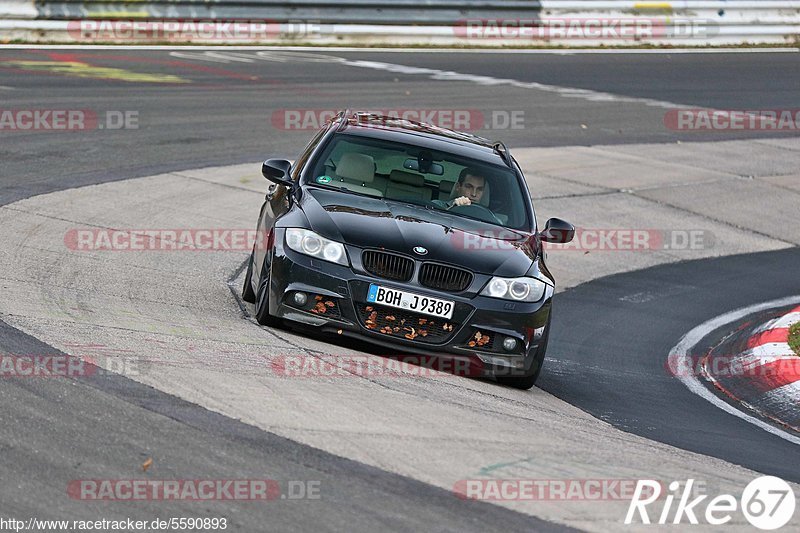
point(479, 211)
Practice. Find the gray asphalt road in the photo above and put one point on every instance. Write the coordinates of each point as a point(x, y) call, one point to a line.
point(625, 380)
point(58, 431)
point(718, 80)
point(198, 110)
point(220, 112)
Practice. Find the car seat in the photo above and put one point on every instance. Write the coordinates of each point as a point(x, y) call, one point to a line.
point(354, 171)
point(408, 185)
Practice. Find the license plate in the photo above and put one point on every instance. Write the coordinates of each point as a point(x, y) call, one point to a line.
point(409, 301)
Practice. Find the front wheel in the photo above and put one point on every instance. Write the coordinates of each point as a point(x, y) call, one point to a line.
point(262, 300)
point(247, 290)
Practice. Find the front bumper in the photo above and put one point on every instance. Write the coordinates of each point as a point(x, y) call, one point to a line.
point(472, 339)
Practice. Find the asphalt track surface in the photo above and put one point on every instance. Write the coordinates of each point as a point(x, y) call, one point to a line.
point(221, 111)
point(53, 429)
point(609, 357)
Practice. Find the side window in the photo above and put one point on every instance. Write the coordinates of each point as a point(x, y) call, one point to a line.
point(306, 153)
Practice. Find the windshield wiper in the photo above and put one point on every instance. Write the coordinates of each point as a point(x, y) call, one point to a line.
point(345, 189)
point(407, 202)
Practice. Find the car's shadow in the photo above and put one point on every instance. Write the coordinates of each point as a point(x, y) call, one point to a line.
point(427, 364)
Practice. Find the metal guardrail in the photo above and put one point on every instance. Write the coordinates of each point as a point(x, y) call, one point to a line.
point(431, 22)
point(430, 12)
point(18, 9)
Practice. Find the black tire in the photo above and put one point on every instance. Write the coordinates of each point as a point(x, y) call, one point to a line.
point(262, 301)
point(527, 382)
point(247, 290)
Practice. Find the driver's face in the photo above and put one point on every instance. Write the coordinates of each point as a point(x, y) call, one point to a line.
point(472, 188)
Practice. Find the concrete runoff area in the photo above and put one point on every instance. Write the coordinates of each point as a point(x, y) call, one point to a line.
point(175, 315)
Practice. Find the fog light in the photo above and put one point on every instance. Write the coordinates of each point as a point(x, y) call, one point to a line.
point(300, 299)
point(509, 344)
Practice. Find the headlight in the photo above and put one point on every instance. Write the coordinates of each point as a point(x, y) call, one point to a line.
point(516, 289)
point(309, 243)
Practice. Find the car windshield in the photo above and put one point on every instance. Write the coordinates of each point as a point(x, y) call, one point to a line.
point(434, 179)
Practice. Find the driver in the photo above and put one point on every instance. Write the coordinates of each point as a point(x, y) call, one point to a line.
point(469, 189)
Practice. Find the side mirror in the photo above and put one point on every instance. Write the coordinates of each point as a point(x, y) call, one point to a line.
point(557, 231)
point(277, 171)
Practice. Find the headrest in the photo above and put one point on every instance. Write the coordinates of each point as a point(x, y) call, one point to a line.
point(356, 167)
point(446, 186)
point(401, 176)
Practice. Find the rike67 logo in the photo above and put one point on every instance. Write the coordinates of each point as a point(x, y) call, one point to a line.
point(767, 503)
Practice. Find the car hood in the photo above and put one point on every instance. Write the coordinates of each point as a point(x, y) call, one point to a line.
point(367, 222)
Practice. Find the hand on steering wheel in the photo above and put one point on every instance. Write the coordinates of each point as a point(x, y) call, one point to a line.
point(461, 201)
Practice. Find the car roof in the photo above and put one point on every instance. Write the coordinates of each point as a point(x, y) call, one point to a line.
point(421, 134)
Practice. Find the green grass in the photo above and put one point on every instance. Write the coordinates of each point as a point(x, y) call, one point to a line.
point(794, 338)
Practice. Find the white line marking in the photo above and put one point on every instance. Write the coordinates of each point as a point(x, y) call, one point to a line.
point(198, 56)
point(745, 364)
point(434, 74)
point(241, 58)
point(769, 351)
point(779, 396)
point(784, 321)
point(681, 353)
point(265, 55)
point(442, 75)
point(566, 92)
